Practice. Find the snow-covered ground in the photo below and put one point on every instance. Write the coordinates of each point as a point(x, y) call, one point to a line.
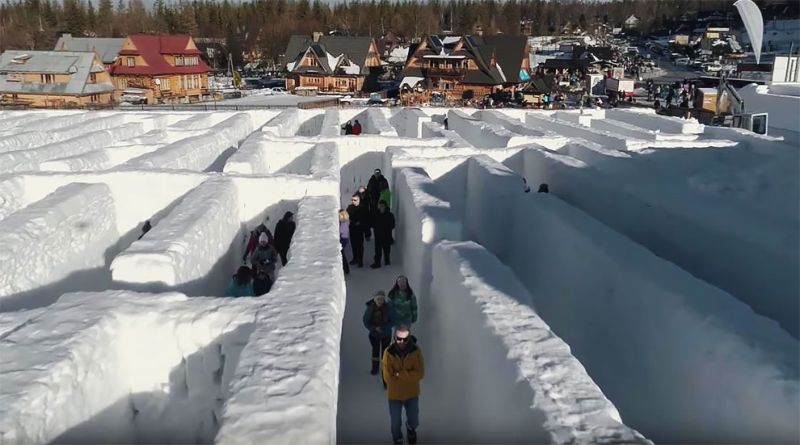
point(652, 295)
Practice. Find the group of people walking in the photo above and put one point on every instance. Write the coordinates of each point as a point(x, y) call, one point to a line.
point(396, 355)
point(368, 214)
point(262, 252)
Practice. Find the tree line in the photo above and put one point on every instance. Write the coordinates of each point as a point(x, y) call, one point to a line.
point(262, 27)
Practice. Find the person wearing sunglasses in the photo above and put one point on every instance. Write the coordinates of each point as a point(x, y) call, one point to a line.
point(403, 368)
point(359, 223)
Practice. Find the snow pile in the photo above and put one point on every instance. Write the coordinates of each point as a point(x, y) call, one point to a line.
point(182, 250)
point(57, 241)
point(121, 367)
point(286, 385)
point(39, 131)
point(198, 152)
point(471, 288)
point(27, 160)
point(12, 193)
point(482, 134)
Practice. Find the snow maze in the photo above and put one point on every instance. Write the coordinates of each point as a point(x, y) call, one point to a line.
point(650, 297)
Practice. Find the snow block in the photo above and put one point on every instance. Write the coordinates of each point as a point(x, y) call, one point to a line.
point(55, 240)
point(330, 123)
point(111, 367)
point(285, 124)
point(584, 120)
point(646, 118)
point(424, 219)
point(197, 152)
point(261, 154)
point(408, 122)
point(491, 189)
point(12, 193)
point(751, 257)
point(39, 130)
point(436, 130)
point(182, 249)
point(27, 160)
point(285, 389)
point(100, 159)
point(544, 138)
point(573, 130)
point(648, 331)
point(482, 134)
point(374, 121)
point(542, 390)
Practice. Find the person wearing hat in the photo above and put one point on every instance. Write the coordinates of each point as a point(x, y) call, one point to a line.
point(378, 322)
point(263, 262)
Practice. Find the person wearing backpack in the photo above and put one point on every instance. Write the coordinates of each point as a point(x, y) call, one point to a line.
point(377, 320)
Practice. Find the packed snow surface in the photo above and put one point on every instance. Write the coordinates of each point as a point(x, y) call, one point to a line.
point(651, 295)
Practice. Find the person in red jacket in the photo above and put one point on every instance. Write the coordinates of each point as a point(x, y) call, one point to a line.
point(356, 128)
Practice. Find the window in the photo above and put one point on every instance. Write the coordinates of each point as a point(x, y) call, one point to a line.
point(48, 78)
point(93, 78)
point(178, 60)
point(94, 98)
point(165, 84)
point(130, 61)
point(122, 83)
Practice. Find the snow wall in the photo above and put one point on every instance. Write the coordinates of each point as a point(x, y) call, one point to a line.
point(475, 296)
point(408, 122)
point(92, 373)
point(60, 242)
point(786, 108)
point(757, 266)
point(374, 121)
point(286, 385)
point(482, 134)
point(547, 139)
point(658, 312)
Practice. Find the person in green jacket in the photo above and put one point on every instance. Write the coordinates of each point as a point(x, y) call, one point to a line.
point(403, 303)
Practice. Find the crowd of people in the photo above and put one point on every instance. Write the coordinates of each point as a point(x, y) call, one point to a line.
point(678, 94)
point(368, 214)
point(395, 354)
point(262, 252)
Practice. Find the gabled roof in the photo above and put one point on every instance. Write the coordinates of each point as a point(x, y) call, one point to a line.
point(153, 48)
point(78, 65)
point(107, 48)
point(330, 51)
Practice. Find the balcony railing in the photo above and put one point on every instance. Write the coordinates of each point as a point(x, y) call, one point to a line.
point(444, 72)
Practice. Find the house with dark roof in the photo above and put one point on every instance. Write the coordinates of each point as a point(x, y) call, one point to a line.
point(107, 48)
point(454, 65)
point(332, 63)
point(54, 79)
point(161, 68)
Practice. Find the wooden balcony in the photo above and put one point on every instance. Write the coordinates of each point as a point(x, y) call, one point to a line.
point(444, 72)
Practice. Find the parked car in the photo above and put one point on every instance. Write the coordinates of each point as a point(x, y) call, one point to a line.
point(682, 61)
point(712, 67)
point(276, 91)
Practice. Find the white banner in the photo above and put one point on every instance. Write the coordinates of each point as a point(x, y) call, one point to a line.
point(754, 23)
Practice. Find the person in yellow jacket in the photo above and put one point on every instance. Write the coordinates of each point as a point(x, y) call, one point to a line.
point(403, 368)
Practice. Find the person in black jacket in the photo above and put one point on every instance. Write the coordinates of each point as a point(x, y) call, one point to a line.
point(362, 193)
point(382, 224)
point(376, 183)
point(376, 320)
point(359, 224)
point(284, 230)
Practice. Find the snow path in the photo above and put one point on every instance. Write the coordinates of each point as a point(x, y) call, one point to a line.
point(363, 415)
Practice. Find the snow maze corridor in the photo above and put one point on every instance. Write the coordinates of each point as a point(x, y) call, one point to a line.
point(650, 297)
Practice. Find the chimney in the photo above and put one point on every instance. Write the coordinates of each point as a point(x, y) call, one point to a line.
point(316, 36)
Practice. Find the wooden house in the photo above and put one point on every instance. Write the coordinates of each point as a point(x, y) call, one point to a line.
point(332, 63)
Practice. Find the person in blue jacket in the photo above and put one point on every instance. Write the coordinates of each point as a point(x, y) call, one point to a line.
point(377, 320)
point(241, 284)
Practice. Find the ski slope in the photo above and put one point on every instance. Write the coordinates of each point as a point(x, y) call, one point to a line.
point(651, 296)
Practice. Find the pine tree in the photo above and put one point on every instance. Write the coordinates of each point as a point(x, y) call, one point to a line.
point(91, 19)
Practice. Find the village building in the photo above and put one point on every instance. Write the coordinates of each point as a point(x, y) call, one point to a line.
point(59, 79)
point(107, 48)
point(455, 67)
point(332, 63)
point(632, 22)
point(161, 68)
